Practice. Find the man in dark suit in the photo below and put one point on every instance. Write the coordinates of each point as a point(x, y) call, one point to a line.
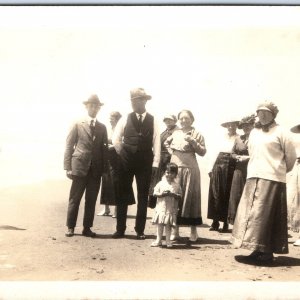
point(137, 140)
point(85, 160)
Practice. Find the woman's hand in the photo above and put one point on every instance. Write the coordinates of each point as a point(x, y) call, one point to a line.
point(188, 138)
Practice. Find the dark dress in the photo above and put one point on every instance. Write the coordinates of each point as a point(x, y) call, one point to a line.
point(165, 157)
point(239, 176)
point(110, 189)
point(219, 187)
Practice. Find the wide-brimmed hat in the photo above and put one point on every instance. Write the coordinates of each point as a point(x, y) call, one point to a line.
point(170, 117)
point(93, 99)
point(296, 129)
point(268, 106)
point(231, 121)
point(247, 120)
point(139, 93)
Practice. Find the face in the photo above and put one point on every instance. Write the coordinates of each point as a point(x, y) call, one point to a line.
point(92, 109)
point(185, 120)
point(170, 175)
point(139, 105)
point(231, 127)
point(247, 128)
point(265, 117)
point(169, 123)
point(113, 121)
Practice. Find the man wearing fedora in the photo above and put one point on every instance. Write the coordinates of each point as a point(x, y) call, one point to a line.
point(85, 160)
point(137, 141)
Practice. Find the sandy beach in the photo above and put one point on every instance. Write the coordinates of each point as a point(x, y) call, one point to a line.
point(34, 247)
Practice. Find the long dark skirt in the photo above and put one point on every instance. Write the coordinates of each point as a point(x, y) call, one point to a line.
point(110, 188)
point(261, 220)
point(219, 187)
point(236, 191)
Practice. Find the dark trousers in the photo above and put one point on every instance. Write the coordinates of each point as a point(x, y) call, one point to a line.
point(91, 185)
point(137, 164)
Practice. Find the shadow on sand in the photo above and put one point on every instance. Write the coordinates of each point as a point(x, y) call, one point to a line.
point(279, 261)
point(8, 227)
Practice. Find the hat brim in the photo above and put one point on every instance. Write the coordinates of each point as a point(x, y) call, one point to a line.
point(241, 125)
point(265, 108)
point(296, 129)
point(225, 124)
point(145, 97)
point(92, 102)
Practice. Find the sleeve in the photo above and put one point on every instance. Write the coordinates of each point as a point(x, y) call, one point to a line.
point(118, 133)
point(105, 150)
point(289, 151)
point(167, 144)
point(71, 142)
point(157, 189)
point(198, 144)
point(156, 144)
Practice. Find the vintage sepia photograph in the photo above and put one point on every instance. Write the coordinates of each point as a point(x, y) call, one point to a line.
point(149, 152)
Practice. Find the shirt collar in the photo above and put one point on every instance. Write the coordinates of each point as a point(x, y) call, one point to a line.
point(89, 119)
point(143, 115)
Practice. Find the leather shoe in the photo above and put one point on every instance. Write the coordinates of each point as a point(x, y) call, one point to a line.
point(70, 232)
point(140, 236)
point(88, 232)
point(118, 235)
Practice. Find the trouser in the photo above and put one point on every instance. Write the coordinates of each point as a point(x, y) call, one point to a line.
point(91, 185)
point(139, 165)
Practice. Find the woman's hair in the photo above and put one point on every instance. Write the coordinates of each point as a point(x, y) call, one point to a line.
point(115, 114)
point(188, 112)
point(172, 168)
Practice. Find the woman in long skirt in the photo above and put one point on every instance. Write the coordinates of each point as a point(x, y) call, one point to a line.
point(110, 181)
point(183, 146)
point(261, 220)
point(221, 178)
point(294, 194)
point(241, 156)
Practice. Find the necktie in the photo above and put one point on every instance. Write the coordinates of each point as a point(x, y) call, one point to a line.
point(92, 127)
point(140, 122)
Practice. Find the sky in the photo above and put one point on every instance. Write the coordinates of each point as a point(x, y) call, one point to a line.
point(219, 62)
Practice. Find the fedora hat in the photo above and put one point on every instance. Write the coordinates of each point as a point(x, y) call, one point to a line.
point(93, 99)
point(247, 120)
point(296, 129)
point(139, 93)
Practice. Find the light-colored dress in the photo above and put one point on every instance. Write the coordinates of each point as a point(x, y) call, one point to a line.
point(184, 155)
point(166, 207)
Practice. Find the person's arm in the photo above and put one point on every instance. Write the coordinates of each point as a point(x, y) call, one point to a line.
point(71, 141)
point(289, 151)
point(198, 143)
point(156, 145)
point(117, 136)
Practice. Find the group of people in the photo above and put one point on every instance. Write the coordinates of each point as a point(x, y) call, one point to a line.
point(247, 179)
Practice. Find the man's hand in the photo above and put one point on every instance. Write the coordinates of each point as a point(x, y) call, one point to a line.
point(69, 174)
point(154, 171)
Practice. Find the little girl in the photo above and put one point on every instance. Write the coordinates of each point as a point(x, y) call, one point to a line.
point(168, 192)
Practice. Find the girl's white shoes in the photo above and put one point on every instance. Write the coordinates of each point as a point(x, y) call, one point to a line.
point(156, 244)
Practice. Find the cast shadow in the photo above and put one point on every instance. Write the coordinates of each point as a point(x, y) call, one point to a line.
point(279, 261)
point(8, 227)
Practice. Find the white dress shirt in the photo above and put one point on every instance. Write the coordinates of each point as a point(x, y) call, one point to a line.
point(117, 138)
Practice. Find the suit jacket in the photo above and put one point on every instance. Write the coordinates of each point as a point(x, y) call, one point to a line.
point(84, 152)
